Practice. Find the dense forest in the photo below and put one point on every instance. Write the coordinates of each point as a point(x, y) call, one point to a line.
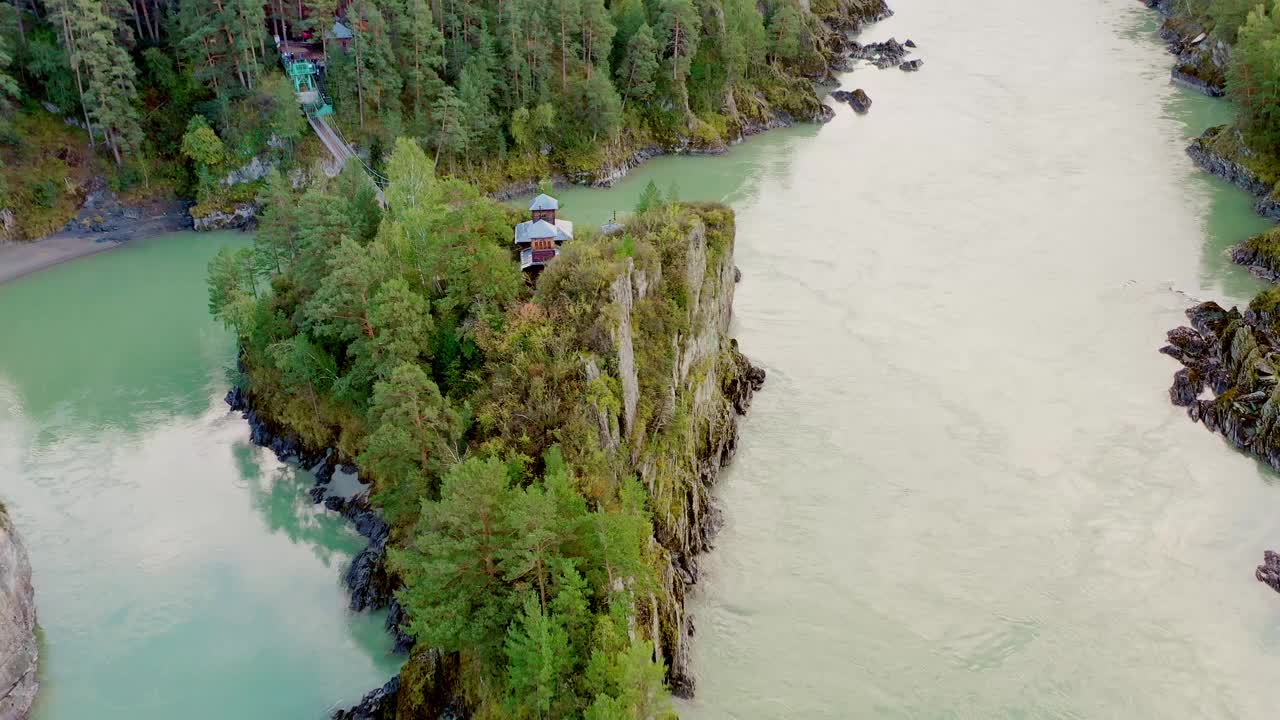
point(1250, 31)
point(484, 408)
point(177, 94)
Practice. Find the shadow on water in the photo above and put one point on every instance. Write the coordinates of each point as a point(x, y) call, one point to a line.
point(278, 493)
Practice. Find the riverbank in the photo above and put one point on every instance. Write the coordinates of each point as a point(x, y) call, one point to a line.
point(786, 103)
point(102, 224)
point(1229, 354)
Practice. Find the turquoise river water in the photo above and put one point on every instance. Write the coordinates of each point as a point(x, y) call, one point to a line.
point(963, 492)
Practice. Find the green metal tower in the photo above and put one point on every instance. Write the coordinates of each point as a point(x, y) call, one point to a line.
point(304, 74)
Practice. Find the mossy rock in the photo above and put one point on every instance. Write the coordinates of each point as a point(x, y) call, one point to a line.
point(1261, 253)
point(1231, 144)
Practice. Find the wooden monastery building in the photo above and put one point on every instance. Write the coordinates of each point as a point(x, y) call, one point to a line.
point(539, 238)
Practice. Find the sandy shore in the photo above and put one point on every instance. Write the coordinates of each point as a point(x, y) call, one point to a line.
point(23, 258)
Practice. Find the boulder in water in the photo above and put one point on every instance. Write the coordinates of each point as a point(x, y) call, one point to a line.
point(882, 55)
point(857, 99)
point(911, 65)
point(1269, 571)
point(860, 102)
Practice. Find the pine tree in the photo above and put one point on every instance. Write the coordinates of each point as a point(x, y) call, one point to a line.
point(595, 106)
point(377, 83)
point(421, 56)
point(677, 28)
point(650, 198)
point(640, 688)
point(402, 324)
point(9, 91)
point(307, 370)
point(567, 16)
point(1228, 16)
point(539, 658)
point(1253, 80)
point(476, 92)
point(640, 66)
point(415, 429)
point(109, 93)
point(454, 591)
point(597, 35)
point(276, 239)
point(452, 136)
point(787, 33)
point(340, 308)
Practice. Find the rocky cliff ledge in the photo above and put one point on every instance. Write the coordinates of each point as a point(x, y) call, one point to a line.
point(1223, 152)
point(1236, 357)
point(18, 650)
point(710, 385)
point(1201, 59)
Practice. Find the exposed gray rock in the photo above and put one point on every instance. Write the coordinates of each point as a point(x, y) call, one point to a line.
point(911, 65)
point(1269, 571)
point(242, 216)
point(252, 171)
point(18, 650)
point(882, 54)
point(1232, 170)
point(858, 99)
point(378, 704)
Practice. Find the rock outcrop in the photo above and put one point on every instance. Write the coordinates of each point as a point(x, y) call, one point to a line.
point(1202, 60)
point(378, 704)
point(1261, 254)
point(1223, 152)
point(883, 55)
point(238, 217)
point(679, 463)
point(18, 650)
point(1269, 571)
point(858, 99)
point(1235, 356)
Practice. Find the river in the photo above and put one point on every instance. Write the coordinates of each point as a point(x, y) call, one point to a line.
point(962, 493)
point(180, 572)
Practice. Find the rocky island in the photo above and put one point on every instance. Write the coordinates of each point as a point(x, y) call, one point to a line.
point(586, 408)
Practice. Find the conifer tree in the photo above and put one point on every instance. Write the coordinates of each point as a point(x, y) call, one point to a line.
point(677, 28)
point(640, 66)
point(539, 658)
point(110, 95)
point(597, 35)
point(420, 51)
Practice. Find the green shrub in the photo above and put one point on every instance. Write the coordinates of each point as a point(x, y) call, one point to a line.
point(45, 194)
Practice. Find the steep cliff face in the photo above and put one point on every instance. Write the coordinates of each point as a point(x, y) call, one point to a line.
point(692, 432)
point(18, 651)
